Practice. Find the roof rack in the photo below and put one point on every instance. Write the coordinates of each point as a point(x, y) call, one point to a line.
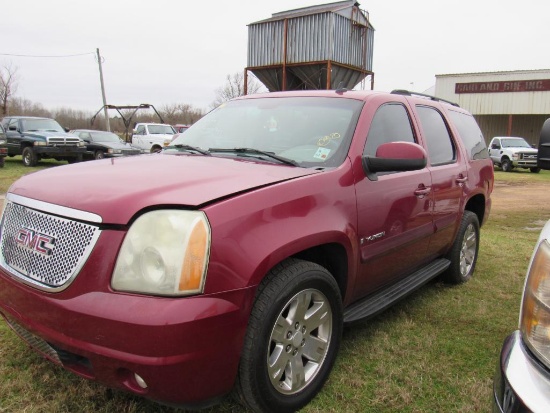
point(409, 93)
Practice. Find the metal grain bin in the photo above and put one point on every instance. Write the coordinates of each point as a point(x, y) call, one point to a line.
point(318, 47)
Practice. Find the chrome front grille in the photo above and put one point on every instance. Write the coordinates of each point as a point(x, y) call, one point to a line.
point(63, 141)
point(44, 250)
point(529, 156)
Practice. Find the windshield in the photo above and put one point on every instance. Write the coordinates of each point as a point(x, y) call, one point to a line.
point(105, 137)
point(515, 143)
point(161, 130)
point(41, 125)
point(310, 131)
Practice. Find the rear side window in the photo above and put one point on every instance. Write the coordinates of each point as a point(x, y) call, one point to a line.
point(441, 147)
point(470, 134)
point(391, 123)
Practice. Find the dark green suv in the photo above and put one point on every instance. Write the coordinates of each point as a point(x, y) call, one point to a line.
point(35, 138)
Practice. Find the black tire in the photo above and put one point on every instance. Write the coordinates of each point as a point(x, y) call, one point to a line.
point(463, 254)
point(303, 300)
point(29, 156)
point(156, 149)
point(76, 159)
point(99, 155)
point(506, 165)
point(1, 162)
point(535, 170)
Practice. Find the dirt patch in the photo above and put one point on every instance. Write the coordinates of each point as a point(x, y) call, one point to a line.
point(520, 195)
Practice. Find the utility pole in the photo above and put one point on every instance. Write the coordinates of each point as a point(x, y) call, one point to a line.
point(107, 124)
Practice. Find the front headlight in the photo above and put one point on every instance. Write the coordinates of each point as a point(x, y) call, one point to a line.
point(535, 311)
point(164, 253)
point(81, 143)
point(40, 143)
point(2, 141)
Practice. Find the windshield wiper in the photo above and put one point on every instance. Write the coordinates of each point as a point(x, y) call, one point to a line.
point(252, 151)
point(192, 148)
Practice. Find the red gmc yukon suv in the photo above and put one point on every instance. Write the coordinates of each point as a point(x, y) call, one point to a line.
point(232, 259)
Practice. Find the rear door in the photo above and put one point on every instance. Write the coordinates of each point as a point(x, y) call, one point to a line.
point(449, 174)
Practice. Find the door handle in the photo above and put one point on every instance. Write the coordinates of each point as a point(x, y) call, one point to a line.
point(422, 191)
point(461, 179)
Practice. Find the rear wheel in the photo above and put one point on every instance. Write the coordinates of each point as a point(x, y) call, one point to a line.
point(506, 165)
point(292, 338)
point(29, 156)
point(463, 254)
point(156, 149)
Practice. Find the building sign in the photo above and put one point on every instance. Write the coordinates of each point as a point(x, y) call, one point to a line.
point(536, 85)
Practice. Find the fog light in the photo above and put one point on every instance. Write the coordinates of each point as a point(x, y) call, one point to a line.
point(141, 383)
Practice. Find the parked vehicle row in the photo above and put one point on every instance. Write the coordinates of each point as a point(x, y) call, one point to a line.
point(36, 138)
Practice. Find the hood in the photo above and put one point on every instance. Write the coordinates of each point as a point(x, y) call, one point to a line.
point(49, 134)
point(117, 188)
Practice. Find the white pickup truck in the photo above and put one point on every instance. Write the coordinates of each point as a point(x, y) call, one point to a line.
point(152, 137)
point(510, 153)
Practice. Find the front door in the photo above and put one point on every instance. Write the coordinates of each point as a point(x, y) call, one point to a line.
point(394, 211)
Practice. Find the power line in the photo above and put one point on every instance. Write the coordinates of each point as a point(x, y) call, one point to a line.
point(51, 56)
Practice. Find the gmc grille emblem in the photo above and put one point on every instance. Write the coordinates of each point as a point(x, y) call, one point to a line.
point(35, 241)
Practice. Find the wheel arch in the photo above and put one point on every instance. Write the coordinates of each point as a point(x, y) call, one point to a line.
point(476, 204)
point(331, 256)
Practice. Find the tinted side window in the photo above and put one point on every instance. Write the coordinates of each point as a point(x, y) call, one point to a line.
point(441, 148)
point(391, 123)
point(471, 135)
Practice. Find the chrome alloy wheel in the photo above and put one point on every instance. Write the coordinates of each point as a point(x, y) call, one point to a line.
point(468, 250)
point(299, 341)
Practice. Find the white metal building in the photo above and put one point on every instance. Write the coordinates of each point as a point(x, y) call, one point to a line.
point(512, 103)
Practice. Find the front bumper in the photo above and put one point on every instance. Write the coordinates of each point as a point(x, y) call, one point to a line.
point(60, 151)
point(525, 163)
point(186, 350)
point(521, 383)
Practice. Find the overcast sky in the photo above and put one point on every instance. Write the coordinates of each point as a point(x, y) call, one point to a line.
point(178, 51)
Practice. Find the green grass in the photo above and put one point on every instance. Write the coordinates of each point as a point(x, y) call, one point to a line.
point(436, 351)
point(14, 168)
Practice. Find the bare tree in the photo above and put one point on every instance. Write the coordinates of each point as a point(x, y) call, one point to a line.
point(8, 85)
point(235, 88)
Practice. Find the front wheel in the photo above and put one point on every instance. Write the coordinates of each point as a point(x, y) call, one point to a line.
point(99, 155)
point(506, 165)
point(463, 254)
point(535, 170)
point(29, 156)
point(292, 339)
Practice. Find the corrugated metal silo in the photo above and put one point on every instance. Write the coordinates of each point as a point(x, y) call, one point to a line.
point(319, 47)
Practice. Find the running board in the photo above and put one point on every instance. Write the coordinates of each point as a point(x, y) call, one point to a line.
point(378, 302)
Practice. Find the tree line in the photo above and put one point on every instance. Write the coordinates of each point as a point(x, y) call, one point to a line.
point(176, 113)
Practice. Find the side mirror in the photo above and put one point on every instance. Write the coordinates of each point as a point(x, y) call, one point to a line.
point(12, 127)
point(395, 157)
